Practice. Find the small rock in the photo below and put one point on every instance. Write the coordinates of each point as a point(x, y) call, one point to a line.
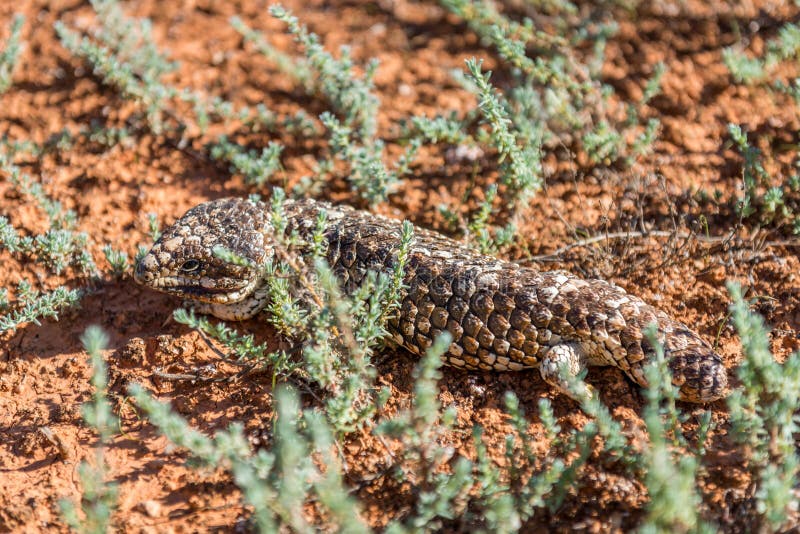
point(462, 153)
point(151, 508)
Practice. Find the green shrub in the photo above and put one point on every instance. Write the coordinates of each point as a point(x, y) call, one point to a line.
point(92, 514)
point(763, 417)
point(57, 249)
point(762, 198)
point(9, 56)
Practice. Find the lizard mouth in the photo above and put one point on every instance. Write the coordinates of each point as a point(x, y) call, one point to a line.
point(224, 291)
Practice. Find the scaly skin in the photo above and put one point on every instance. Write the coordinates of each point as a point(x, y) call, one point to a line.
point(502, 316)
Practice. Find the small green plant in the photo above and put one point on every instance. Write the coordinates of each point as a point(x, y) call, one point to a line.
point(31, 305)
point(275, 484)
point(242, 346)
point(763, 418)
point(109, 137)
point(753, 171)
point(774, 204)
point(255, 167)
point(510, 39)
point(352, 123)
point(557, 97)
point(368, 173)
point(131, 40)
point(9, 55)
point(60, 246)
point(118, 260)
point(750, 70)
point(297, 68)
point(670, 473)
point(112, 68)
point(440, 495)
point(92, 514)
point(122, 53)
point(480, 231)
point(349, 94)
point(521, 169)
point(439, 129)
point(57, 249)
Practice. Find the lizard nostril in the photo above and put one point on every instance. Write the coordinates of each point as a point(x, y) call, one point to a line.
point(140, 274)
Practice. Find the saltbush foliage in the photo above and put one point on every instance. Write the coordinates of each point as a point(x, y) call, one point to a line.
point(772, 199)
point(92, 514)
point(58, 249)
point(9, 54)
point(277, 484)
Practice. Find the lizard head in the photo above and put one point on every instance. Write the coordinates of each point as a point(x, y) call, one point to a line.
point(190, 260)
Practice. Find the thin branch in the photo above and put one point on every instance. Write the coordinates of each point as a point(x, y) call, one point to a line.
point(557, 255)
point(184, 377)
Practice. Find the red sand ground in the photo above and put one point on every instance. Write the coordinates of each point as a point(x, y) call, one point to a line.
point(43, 370)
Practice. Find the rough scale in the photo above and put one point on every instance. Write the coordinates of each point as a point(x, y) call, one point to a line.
point(502, 316)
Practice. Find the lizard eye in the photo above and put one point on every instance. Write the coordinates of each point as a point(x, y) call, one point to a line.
point(190, 266)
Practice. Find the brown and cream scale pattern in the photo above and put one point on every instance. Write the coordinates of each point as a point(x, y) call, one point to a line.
point(501, 316)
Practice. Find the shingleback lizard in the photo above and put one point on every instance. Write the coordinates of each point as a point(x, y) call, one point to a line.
point(502, 316)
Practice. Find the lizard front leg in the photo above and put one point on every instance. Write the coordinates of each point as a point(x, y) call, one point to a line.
point(561, 362)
